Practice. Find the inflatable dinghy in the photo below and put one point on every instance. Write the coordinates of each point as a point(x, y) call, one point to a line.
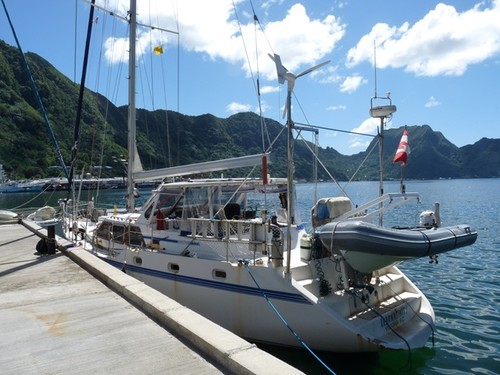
point(363, 242)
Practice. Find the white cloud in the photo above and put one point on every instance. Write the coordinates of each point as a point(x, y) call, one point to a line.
point(330, 75)
point(369, 126)
point(211, 28)
point(115, 50)
point(235, 107)
point(339, 107)
point(359, 143)
point(314, 38)
point(443, 42)
point(352, 83)
point(432, 102)
point(269, 89)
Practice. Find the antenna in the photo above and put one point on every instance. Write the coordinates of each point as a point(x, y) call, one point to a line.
point(383, 112)
point(375, 65)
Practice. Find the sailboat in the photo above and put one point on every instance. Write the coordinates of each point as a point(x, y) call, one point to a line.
point(235, 251)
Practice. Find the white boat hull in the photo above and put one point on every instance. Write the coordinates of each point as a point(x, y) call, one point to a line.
point(238, 303)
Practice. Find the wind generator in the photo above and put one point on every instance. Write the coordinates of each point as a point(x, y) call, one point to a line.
point(290, 78)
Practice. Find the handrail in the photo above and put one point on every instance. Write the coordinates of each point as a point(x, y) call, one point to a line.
point(255, 235)
point(406, 197)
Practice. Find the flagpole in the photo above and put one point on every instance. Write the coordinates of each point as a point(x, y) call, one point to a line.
point(402, 187)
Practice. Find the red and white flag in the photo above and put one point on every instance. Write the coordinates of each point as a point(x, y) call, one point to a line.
point(403, 149)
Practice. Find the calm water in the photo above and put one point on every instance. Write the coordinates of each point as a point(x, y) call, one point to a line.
point(464, 287)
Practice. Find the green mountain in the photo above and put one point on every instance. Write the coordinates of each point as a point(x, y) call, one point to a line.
point(167, 138)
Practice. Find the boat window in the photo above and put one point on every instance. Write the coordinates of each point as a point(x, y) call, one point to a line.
point(104, 231)
point(219, 274)
point(196, 202)
point(135, 236)
point(137, 260)
point(169, 203)
point(173, 267)
point(119, 233)
point(147, 214)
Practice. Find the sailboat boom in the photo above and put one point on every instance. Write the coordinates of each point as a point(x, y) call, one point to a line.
point(204, 167)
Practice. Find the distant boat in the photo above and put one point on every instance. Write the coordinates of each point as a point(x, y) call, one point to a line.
point(19, 186)
point(233, 250)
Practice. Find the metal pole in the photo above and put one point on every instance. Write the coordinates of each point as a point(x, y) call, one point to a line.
point(131, 107)
point(289, 190)
point(381, 162)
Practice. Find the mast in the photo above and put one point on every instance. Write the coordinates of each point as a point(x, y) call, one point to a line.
point(131, 107)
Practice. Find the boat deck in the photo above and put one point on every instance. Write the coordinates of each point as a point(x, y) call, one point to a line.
point(57, 318)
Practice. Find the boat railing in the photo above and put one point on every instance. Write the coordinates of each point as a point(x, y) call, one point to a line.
point(257, 237)
point(393, 200)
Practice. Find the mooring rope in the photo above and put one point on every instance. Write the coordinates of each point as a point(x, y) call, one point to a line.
point(408, 363)
point(245, 263)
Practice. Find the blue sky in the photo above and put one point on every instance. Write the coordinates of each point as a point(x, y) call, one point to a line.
point(439, 61)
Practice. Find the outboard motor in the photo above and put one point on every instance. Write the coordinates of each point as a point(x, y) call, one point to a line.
point(430, 219)
point(427, 219)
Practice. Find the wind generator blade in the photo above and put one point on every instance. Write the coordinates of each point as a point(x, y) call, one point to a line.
point(311, 69)
point(279, 67)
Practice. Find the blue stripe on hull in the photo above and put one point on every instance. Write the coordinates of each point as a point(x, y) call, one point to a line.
point(240, 289)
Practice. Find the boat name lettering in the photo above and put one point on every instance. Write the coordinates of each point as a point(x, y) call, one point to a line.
point(395, 318)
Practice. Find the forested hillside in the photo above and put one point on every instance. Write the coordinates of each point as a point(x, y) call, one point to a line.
point(167, 138)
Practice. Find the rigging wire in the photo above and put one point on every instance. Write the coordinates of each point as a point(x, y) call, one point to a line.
point(76, 133)
point(165, 97)
point(256, 81)
point(75, 40)
point(164, 79)
point(332, 177)
point(37, 95)
point(335, 130)
point(113, 94)
point(262, 123)
point(166, 159)
point(261, 28)
point(178, 59)
point(361, 164)
point(283, 320)
point(107, 88)
point(342, 188)
point(257, 87)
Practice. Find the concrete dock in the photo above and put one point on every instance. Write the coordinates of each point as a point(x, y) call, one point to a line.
point(71, 313)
